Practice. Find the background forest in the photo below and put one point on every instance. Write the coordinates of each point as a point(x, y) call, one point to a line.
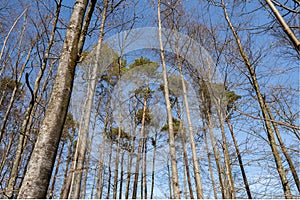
point(149, 99)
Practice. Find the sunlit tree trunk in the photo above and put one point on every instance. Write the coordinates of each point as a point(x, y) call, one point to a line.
point(137, 165)
point(285, 27)
point(109, 171)
point(240, 160)
point(283, 148)
point(198, 181)
point(175, 182)
point(38, 174)
point(212, 139)
point(122, 174)
point(21, 142)
point(99, 185)
point(153, 166)
point(270, 132)
point(131, 152)
point(67, 174)
point(84, 126)
point(210, 165)
point(226, 155)
point(58, 162)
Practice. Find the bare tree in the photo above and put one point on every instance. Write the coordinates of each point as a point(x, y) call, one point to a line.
point(40, 166)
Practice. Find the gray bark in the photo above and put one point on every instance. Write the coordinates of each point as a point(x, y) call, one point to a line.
point(270, 132)
point(175, 182)
point(38, 174)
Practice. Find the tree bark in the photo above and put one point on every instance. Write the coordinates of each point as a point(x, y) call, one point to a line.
point(270, 132)
point(38, 174)
point(84, 126)
point(175, 182)
point(240, 160)
point(51, 192)
point(21, 142)
point(137, 165)
point(284, 25)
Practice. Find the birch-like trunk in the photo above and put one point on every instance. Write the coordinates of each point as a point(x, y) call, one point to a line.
point(84, 126)
point(270, 132)
point(137, 165)
point(240, 160)
point(21, 142)
point(175, 182)
point(38, 174)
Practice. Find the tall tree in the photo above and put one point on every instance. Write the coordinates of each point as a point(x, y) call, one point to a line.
point(262, 103)
point(37, 177)
point(175, 182)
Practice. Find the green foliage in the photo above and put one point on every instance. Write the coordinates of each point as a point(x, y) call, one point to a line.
point(114, 132)
point(148, 67)
point(139, 117)
point(144, 92)
point(9, 84)
point(176, 126)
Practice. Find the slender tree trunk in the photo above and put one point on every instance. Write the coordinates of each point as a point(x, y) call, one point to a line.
point(137, 165)
point(122, 174)
point(175, 182)
point(18, 157)
point(6, 39)
point(153, 166)
point(58, 162)
point(99, 186)
point(170, 181)
point(84, 127)
point(40, 166)
point(67, 178)
point(145, 166)
point(15, 90)
point(87, 162)
point(240, 160)
point(270, 133)
point(109, 172)
point(198, 181)
point(283, 148)
point(284, 25)
point(213, 143)
point(210, 165)
point(185, 157)
point(130, 164)
point(226, 156)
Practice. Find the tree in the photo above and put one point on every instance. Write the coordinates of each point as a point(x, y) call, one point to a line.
point(40, 166)
point(262, 103)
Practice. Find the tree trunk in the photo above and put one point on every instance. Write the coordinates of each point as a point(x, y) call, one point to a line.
point(175, 182)
point(213, 144)
point(240, 160)
point(226, 155)
point(122, 174)
point(210, 165)
point(284, 25)
point(109, 172)
point(145, 166)
point(84, 126)
point(185, 157)
point(283, 148)
point(40, 166)
point(130, 164)
point(153, 166)
point(67, 178)
point(198, 181)
point(18, 157)
point(137, 165)
point(270, 133)
point(58, 162)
